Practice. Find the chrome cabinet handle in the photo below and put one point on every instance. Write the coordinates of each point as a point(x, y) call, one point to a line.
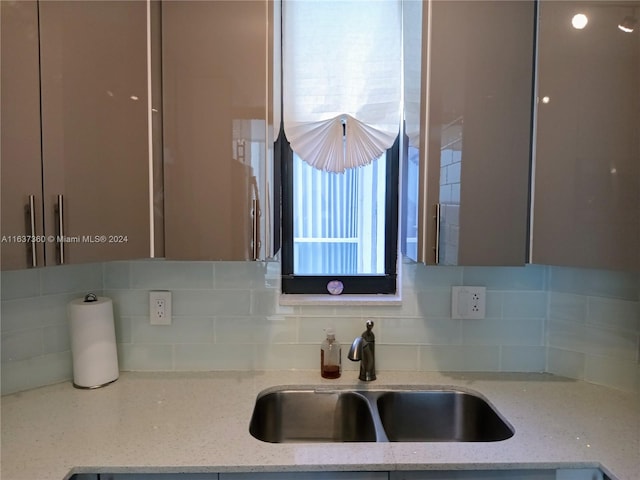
point(255, 229)
point(32, 230)
point(60, 229)
point(437, 246)
point(255, 220)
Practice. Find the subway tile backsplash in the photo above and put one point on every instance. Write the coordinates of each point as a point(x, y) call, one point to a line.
point(579, 323)
point(593, 326)
point(33, 322)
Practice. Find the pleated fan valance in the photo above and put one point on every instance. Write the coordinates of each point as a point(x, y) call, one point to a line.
point(342, 80)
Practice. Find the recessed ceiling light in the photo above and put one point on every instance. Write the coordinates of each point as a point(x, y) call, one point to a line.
point(628, 24)
point(579, 21)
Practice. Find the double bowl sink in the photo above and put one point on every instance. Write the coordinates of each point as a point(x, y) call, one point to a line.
point(285, 415)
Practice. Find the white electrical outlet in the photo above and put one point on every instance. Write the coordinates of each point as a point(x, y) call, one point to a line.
point(468, 302)
point(160, 307)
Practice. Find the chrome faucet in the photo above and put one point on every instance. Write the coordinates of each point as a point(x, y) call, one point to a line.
point(363, 349)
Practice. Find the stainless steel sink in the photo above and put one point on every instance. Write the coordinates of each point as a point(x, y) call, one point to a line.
point(283, 415)
point(312, 416)
point(440, 416)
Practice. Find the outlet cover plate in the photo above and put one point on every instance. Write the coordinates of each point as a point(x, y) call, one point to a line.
point(468, 302)
point(160, 307)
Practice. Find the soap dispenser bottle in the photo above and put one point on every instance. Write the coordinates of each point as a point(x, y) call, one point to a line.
point(330, 356)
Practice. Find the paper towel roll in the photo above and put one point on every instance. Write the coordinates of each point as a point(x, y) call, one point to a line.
point(93, 342)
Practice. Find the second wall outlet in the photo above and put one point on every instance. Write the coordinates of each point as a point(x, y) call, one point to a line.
point(160, 307)
point(468, 302)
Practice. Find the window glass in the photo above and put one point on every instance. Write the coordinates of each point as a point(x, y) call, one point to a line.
point(339, 220)
point(339, 226)
point(409, 215)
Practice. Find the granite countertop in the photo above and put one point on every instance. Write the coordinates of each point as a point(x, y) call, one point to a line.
point(198, 422)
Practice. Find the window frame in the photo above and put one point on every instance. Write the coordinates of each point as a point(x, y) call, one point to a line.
point(353, 284)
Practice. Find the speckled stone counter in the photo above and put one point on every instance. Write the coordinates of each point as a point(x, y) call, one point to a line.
point(198, 422)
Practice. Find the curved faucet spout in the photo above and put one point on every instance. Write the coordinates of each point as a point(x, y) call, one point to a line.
point(356, 350)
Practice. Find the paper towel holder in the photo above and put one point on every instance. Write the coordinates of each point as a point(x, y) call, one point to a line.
point(93, 342)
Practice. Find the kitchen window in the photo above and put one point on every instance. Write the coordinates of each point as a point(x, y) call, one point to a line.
point(348, 74)
point(339, 226)
point(339, 146)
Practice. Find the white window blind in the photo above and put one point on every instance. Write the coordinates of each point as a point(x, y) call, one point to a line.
point(342, 72)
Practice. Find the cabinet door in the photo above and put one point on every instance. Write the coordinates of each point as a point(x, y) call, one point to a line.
point(586, 208)
point(152, 476)
point(307, 476)
point(20, 135)
point(536, 474)
point(478, 127)
point(94, 128)
point(215, 121)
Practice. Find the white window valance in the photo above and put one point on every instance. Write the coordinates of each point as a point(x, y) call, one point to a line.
point(342, 80)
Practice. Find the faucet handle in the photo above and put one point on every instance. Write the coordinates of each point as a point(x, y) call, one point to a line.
point(368, 334)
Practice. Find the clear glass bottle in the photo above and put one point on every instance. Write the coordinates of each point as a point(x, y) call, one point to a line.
point(330, 356)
